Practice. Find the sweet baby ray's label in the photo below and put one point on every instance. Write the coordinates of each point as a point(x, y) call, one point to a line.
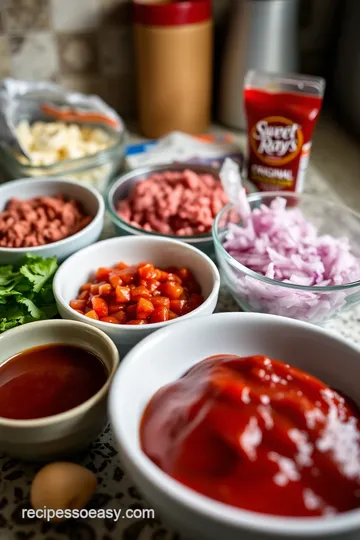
point(280, 127)
point(276, 144)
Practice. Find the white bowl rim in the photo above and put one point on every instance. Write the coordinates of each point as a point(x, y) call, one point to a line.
point(74, 411)
point(131, 239)
point(99, 216)
point(207, 507)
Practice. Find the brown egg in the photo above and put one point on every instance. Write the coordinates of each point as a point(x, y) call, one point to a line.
point(62, 485)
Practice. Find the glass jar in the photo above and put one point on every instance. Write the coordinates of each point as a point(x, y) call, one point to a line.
point(95, 170)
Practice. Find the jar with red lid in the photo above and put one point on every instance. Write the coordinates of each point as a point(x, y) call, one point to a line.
point(173, 50)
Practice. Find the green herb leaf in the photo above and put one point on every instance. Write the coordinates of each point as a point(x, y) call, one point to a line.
point(38, 271)
point(26, 291)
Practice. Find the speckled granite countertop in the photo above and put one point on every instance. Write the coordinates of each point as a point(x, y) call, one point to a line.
point(335, 159)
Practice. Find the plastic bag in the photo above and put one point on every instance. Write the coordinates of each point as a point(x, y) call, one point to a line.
point(46, 131)
point(23, 100)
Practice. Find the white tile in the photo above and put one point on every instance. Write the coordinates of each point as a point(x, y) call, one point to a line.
point(34, 57)
point(73, 15)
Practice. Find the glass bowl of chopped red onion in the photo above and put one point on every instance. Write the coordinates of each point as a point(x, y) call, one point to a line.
point(179, 201)
point(294, 255)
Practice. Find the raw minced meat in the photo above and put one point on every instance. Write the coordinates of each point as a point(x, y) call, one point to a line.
point(39, 221)
point(181, 203)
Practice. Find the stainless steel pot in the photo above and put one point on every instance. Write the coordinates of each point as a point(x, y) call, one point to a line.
point(263, 35)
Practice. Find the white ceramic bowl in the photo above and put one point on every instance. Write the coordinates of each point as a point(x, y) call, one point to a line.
point(168, 354)
point(70, 431)
point(89, 198)
point(161, 252)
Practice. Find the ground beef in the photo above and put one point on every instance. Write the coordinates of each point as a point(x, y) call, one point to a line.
point(181, 203)
point(39, 221)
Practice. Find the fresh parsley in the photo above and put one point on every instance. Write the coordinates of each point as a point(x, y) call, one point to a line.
point(26, 291)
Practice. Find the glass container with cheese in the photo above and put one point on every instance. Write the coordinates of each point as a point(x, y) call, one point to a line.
point(48, 132)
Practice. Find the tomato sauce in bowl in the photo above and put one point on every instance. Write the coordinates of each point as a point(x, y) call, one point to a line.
point(48, 380)
point(257, 434)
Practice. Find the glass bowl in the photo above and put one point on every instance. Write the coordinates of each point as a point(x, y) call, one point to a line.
point(121, 187)
point(95, 170)
point(255, 292)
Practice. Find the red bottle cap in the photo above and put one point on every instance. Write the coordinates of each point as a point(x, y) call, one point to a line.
point(173, 14)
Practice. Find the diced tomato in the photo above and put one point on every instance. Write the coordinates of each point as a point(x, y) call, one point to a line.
point(110, 319)
point(92, 315)
point(144, 308)
point(131, 311)
point(114, 307)
point(147, 271)
point(94, 289)
point(78, 304)
point(122, 294)
point(121, 266)
point(171, 289)
point(100, 306)
point(84, 295)
point(139, 292)
point(175, 278)
point(160, 314)
point(153, 285)
point(85, 287)
point(184, 274)
point(115, 279)
point(158, 274)
point(177, 306)
point(163, 276)
point(102, 274)
point(120, 316)
point(128, 274)
point(161, 301)
point(105, 289)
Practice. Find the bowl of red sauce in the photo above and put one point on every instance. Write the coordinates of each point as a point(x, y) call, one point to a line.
point(54, 381)
point(244, 425)
point(174, 200)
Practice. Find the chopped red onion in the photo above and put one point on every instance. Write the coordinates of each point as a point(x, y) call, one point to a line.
point(281, 244)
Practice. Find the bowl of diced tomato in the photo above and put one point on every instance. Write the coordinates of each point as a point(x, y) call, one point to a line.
point(131, 286)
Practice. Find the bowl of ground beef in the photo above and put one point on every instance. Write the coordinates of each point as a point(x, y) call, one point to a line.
point(47, 217)
point(179, 201)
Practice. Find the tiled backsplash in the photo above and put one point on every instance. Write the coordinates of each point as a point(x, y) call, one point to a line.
point(83, 44)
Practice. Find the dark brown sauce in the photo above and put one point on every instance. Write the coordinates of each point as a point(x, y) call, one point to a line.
point(48, 380)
